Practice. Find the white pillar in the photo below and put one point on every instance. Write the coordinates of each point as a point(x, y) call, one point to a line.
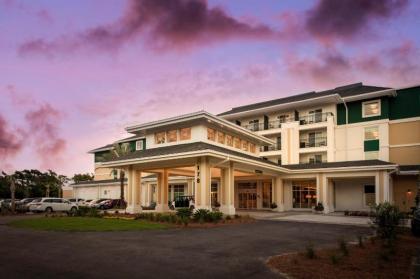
point(278, 193)
point(330, 139)
point(227, 190)
point(162, 191)
point(134, 183)
point(327, 194)
point(377, 188)
point(386, 187)
point(202, 194)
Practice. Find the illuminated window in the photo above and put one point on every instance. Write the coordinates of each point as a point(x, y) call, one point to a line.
point(172, 135)
point(244, 145)
point(371, 133)
point(221, 137)
point(211, 134)
point(371, 108)
point(229, 140)
point(139, 145)
point(185, 134)
point(237, 142)
point(252, 147)
point(160, 137)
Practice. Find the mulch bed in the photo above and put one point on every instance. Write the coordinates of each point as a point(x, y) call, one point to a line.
point(365, 262)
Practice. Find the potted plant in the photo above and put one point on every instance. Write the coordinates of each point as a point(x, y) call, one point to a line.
point(273, 205)
point(319, 208)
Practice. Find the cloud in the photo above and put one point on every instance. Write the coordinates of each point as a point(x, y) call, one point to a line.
point(162, 24)
point(330, 66)
point(44, 128)
point(11, 141)
point(347, 18)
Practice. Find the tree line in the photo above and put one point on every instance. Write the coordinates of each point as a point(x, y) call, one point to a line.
point(34, 183)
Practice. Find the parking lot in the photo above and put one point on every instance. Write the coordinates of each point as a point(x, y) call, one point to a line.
point(237, 251)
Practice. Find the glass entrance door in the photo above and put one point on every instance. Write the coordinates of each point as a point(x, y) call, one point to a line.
point(304, 194)
point(247, 195)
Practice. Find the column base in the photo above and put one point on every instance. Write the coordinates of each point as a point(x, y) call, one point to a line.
point(279, 208)
point(328, 209)
point(162, 208)
point(228, 209)
point(133, 209)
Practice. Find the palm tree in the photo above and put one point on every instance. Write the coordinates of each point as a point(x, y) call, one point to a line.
point(118, 151)
point(12, 184)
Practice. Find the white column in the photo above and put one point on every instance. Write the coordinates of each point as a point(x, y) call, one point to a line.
point(386, 187)
point(330, 139)
point(204, 184)
point(129, 194)
point(162, 192)
point(327, 188)
point(377, 188)
point(278, 193)
point(227, 190)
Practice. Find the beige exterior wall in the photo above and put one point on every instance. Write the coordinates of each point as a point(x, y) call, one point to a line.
point(68, 194)
point(401, 187)
point(408, 155)
point(404, 140)
point(102, 173)
point(349, 140)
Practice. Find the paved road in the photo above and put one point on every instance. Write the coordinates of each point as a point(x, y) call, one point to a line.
point(237, 251)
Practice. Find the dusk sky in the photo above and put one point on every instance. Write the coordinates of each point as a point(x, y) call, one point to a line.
point(74, 74)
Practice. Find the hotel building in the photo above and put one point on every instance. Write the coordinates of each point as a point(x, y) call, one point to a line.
point(347, 148)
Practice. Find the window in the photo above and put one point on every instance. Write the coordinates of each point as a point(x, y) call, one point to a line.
point(172, 135)
point(369, 195)
point(254, 125)
point(211, 134)
point(283, 118)
point(316, 159)
point(237, 142)
point(371, 108)
point(229, 140)
point(371, 133)
point(213, 194)
point(160, 138)
point(221, 137)
point(139, 145)
point(244, 145)
point(185, 134)
point(371, 155)
point(252, 147)
point(178, 191)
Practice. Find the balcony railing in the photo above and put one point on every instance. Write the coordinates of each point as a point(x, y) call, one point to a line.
point(263, 126)
point(315, 142)
point(272, 147)
point(314, 118)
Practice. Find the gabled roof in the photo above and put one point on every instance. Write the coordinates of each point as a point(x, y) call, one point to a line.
point(184, 148)
point(342, 91)
point(103, 148)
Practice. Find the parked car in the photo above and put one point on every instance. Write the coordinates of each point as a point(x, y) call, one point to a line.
point(7, 203)
point(52, 204)
point(95, 203)
point(23, 205)
point(79, 202)
point(415, 222)
point(115, 203)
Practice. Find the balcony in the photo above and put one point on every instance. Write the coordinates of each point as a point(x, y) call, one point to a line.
point(255, 127)
point(273, 147)
point(313, 142)
point(314, 118)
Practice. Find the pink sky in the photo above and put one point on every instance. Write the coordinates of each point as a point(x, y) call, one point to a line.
point(73, 74)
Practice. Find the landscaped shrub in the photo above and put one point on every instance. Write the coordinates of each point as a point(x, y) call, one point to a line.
point(334, 259)
point(342, 245)
point(386, 219)
point(228, 218)
point(273, 205)
point(215, 216)
point(310, 251)
point(184, 212)
point(201, 215)
point(84, 211)
point(319, 207)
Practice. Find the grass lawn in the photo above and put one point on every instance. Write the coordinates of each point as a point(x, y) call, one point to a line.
point(85, 224)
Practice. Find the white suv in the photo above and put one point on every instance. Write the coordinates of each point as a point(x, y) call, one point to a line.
point(52, 204)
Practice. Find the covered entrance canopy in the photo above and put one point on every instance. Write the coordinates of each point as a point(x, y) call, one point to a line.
point(214, 171)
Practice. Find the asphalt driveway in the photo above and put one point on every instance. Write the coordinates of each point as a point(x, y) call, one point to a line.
point(237, 251)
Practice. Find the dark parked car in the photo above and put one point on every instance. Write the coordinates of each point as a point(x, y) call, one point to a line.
point(115, 203)
point(415, 223)
point(22, 205)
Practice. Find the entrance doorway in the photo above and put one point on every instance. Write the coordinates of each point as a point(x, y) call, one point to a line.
point(247, 195)
point(304, 194)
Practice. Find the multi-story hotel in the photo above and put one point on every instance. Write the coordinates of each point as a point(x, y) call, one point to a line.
point(347, 148)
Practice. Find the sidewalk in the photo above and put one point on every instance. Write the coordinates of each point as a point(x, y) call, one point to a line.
point(308, 217)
